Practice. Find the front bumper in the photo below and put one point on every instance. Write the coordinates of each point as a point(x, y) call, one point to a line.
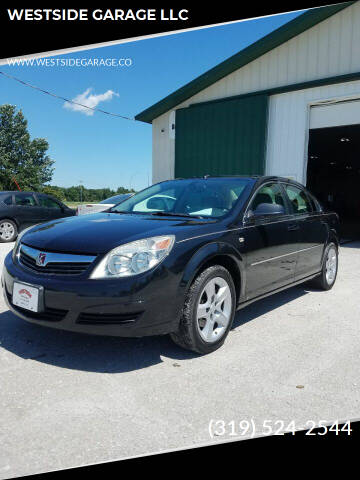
point(144, 305)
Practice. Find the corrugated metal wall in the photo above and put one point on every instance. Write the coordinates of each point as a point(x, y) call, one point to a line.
point(289, 120)
point(328, 49)
point(222, 138)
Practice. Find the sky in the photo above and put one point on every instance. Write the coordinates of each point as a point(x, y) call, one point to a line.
point(104, 151)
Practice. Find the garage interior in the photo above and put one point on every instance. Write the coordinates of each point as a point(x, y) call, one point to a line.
point(333, 173)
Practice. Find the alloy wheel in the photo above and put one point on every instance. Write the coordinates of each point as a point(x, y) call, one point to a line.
point(7, 231)
point(331, 265)
point(214, 310)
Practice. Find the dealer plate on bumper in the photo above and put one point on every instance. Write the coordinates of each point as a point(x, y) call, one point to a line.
point(26, 296)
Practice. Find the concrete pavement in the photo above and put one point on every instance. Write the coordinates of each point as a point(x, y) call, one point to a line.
point(68, 399)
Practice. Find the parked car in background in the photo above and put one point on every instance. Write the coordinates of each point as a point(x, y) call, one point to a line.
point(179, 257)
point(103, 205)
point(19, 210)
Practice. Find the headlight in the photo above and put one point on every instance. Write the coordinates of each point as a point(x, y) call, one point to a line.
point(18, 240)
point(134, 258)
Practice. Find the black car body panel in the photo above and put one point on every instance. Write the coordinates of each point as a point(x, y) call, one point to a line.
point(101, 232)
point(263, 254)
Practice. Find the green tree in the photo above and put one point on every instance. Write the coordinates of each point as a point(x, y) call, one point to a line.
point(21, 158)
point(124, 190)
point(56, 192)
point(72, 194)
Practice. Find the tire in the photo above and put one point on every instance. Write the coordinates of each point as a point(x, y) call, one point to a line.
point(206, 334)
point(327, 278)
point(8, 230)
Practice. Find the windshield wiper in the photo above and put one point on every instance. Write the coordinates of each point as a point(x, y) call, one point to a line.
point(160, 214)
point(173, 214)
point(124, 212)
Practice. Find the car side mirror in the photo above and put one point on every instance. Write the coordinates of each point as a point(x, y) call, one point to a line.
point(265, 209)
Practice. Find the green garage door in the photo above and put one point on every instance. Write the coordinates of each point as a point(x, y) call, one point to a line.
point(222, 138)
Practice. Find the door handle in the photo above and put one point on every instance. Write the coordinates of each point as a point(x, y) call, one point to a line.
point(293, 226)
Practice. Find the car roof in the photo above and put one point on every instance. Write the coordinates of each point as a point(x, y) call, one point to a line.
point(267, 178)
point(257, 178)
point(7, 192)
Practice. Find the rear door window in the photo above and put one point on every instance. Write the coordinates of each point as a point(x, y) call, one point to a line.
point(299, 200)
point(25, 200)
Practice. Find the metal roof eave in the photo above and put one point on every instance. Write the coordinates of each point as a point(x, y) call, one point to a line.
point(279, 36)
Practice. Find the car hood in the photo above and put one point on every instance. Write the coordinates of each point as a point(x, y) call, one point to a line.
point(101, 232)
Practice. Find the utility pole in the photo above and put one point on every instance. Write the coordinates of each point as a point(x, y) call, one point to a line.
point(131, 178)
point(80, 181)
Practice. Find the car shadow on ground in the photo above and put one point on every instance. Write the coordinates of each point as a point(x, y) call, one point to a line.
point(266, 305)
point(111, 354)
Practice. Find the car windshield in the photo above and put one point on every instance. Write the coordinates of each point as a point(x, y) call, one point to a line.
point(208, 198)
point(116, 198)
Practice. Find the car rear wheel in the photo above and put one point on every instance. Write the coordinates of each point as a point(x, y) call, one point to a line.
point(327, 278)
point(208, 312)
point(8, 231)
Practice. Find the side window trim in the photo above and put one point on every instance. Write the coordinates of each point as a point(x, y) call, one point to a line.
point(289, 206)
point(37, 203)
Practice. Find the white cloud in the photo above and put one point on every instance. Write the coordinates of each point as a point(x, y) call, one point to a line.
point(89, 100)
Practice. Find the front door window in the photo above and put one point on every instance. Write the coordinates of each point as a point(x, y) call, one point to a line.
point(272, 194)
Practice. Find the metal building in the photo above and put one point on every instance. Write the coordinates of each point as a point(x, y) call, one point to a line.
point(287, 105)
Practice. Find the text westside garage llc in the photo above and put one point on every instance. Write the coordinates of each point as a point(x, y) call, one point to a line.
point(84, 14)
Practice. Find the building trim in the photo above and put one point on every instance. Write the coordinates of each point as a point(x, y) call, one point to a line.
point(276, 38)
point(321, 82)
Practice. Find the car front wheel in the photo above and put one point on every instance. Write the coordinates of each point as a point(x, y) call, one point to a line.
point(208, 312)
point(8, 231)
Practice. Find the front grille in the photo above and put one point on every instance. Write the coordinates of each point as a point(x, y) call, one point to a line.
point(57, 263)
point(107, 318)
point(49, 314)
point(59, 268)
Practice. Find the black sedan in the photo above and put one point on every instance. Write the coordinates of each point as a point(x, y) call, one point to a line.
point(179, 257)
point(19, 210)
